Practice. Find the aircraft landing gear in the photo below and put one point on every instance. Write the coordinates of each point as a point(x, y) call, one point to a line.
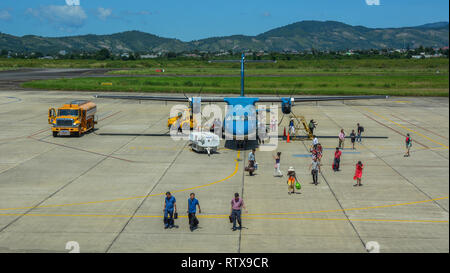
point(241, 144)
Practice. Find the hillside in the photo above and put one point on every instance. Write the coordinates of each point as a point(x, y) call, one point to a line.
point(328, 35)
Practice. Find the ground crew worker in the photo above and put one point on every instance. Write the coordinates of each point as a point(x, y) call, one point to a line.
point(170, 207)
point(192, 209)
point(236, 209)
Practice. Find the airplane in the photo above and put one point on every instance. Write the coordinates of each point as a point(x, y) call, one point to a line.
point(240, 122)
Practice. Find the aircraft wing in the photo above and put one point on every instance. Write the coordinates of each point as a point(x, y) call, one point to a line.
point(321, 98)
point(260, 99)
point(159, 98)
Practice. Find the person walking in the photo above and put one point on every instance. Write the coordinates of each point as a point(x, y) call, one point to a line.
point(408, 142)
point(292, 179)
point(315, 141)
point(236, 210)
point(192, 210)
point(359, 130)
point(337, 160)
point(315, 169)
point(252, 166)
point(312, 125)
point(170, 208)
point(291, 127)
point(319, 152)
point(353, 138)
point(277, 172)
point(341, 139)
point(358, 174)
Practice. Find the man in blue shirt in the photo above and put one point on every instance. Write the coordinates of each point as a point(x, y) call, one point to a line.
point(170, 207)
point(252, 165)
point(192, 209)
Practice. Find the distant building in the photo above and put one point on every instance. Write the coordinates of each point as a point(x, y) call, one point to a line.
point(149, 56)
point(192, 55)
point(426, 56)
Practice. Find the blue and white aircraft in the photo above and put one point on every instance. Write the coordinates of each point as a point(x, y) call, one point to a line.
point(240, 120)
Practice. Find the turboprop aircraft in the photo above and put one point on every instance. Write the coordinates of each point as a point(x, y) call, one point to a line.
point(240, 122)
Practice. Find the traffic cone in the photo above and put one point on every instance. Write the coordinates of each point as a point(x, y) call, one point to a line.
point(288, 138)
point(284, 133)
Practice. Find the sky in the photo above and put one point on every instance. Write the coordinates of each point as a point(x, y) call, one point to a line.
point(198, 19)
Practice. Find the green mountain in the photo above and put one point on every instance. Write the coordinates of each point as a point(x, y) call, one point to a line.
point(328, 35)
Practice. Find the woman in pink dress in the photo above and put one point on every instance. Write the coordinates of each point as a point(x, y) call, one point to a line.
point(358, 174)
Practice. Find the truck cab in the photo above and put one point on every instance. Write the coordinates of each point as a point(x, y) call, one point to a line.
point(74, 118)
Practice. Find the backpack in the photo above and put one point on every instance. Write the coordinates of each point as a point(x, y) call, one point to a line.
point(362, 129)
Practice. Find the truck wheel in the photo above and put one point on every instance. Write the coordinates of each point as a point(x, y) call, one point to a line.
point(55, 134)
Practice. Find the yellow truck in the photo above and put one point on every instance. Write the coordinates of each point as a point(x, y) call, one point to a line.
point(74, 118)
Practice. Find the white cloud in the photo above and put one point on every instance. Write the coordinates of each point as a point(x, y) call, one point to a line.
point(5, 15)
point(73, 2)
point(64, 17)
point(373, 2)
point(103, 13)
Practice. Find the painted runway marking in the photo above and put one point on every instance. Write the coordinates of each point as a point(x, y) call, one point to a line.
point(226, 216)
point(136, 197)
point(405, 128)
point(434, 133)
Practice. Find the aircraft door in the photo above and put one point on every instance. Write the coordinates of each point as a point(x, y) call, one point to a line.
point(51, 115)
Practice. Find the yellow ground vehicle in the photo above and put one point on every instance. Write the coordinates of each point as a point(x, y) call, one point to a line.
point(74, 118)
point(186, 120)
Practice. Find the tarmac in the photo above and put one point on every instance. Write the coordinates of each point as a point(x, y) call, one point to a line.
point(105, 190)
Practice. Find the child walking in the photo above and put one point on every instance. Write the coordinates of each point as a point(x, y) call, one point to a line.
point(292, 179)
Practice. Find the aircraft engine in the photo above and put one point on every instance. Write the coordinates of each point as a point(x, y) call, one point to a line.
point(286, 105)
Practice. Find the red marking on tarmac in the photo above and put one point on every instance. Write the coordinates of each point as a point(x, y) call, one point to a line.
point(419, 126)
point(423, 145)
